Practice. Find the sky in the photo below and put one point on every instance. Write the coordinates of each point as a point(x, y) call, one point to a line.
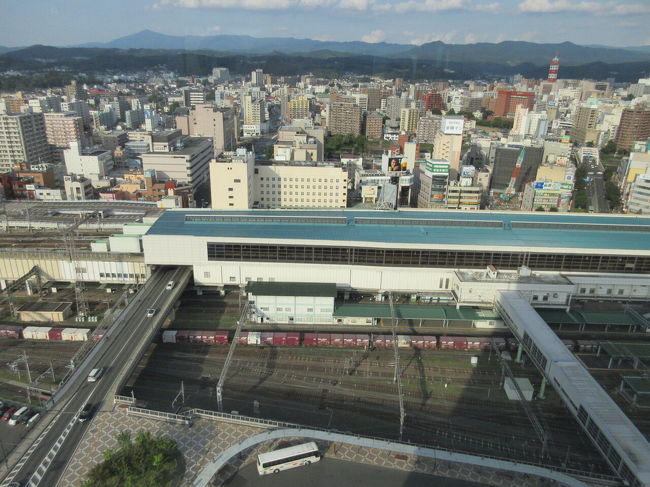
point(70, 22)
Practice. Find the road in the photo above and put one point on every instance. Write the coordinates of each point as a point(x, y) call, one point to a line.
point(596, 186)
point(330, 472)
point(119, 351)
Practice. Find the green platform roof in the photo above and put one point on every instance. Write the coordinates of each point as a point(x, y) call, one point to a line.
point(626, 349)
point(302, 289)
point(640, 385)
point(413, 312)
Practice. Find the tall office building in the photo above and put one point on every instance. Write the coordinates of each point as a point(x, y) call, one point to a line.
point(206, 121)
point(186, 163)
point(434, 101)
point(428, 128)
point(507, 102)
point(257, 78)
point(61, 129)
point(253, 111)
point(409, 120)
point(584, 125)
point(634, 126)
point(344, 118)
point(374, 97)
point(23, 141)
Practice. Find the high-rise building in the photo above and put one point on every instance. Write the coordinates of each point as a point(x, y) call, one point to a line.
point(434, 101)
point(23, 141)
point(374, 97)
point(507, 102)
point(220, 74)
point(257, 78)
point(585, 125)
point(428, 128)
point(553, 69)
point(188, 162)
point(634, 126)
point(61, 129)
point(94, 164)
point(344, 118)
point(206, 121)
point(193, 96)
point(409, 120)
point(74, 91)
point(254, 111)
point(299, 107)
point(374, 126)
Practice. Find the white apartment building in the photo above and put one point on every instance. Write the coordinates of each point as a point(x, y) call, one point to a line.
point(22, 140)
point(241, 184)
point(187, 161)
point(93, 164)
point(639, 197)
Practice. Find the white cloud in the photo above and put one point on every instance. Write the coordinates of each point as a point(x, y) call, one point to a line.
point(355, 4)
point(374, 36)
point(429, 6)
point(425, 38)
point(470, 39)
point(216, 28)
point(598, 8)
point(492, 8)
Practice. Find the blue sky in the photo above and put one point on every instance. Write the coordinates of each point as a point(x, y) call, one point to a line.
point(68, 22)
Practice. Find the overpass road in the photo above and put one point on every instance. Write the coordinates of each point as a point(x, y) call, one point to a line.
point(119, 352)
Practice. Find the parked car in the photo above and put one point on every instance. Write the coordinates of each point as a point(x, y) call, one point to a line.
point(8, 413)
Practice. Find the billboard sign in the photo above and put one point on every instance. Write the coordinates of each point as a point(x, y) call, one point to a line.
point(546, 186)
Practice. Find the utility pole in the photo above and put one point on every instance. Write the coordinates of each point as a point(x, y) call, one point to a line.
point(243, 318)
point(398, 373)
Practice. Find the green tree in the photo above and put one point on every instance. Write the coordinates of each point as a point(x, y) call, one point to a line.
point(540, 208)
point(613, 194)
point(580, 199)
point(269, 153)
point(553, 209)
point(609, 148)
point(147, 461)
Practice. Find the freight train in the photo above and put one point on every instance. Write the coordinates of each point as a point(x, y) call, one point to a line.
point(294, 339)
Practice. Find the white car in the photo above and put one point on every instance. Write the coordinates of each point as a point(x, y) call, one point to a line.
point(151, 312)
point(170, 285)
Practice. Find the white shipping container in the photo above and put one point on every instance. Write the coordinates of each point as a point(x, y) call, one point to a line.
point(169, 336)
point(254, 337)
point(99, 246)
point(75, 334)
point(525, 386)
point(36, 332)
point(489, 324)
point(403, 341)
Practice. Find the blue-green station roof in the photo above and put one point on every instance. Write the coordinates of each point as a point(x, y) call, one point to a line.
point(507, 229)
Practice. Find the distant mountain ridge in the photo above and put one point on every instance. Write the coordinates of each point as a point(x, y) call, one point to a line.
point(509, 53)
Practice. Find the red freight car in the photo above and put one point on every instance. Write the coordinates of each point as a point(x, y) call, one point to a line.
point(310, 340)
point(337, 340)
point(323, 339)
point(221, 337)
point(183, 336)
point(363, 340)
point(424, 342)
point(349, 340)
point(279, 338)
point(55, 334)
point(293, 338)
point(11, 331)
point(267, 338)
point(383, 341)
point(243, 338)
point(454, 343)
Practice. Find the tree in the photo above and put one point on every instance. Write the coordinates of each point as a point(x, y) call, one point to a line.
point(613, 194)
point(269, 153)
point(146, 462)
point(610, 148)
point(580, 200)
point(451, 111)
point(553, 209)
point(630, 97)
point(540, 208)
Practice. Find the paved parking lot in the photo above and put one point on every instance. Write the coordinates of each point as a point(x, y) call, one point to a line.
point(9, 437)
point(339, 473)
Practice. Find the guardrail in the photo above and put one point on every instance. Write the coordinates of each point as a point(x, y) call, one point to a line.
point(149, 413)
point(117, 399)
point(234, 418)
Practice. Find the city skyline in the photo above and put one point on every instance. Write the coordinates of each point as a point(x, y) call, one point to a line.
point(394, 21)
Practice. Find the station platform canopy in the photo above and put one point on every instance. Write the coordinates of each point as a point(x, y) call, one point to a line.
point(414, 312)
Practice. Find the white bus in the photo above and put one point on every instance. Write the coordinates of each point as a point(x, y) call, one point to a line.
point(293, 456)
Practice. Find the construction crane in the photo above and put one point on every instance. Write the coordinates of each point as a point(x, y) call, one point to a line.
point(510, 190)
point(397, 377)
point(243, 318)
point(68, 234)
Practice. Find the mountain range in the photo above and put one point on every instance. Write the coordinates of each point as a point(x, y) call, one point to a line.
point(508, 52)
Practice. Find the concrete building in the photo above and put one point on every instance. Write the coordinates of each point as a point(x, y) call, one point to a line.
point(344, 118)
point(257, 78)
point(428, 128)
point(373, 94)
point(634, 126)
point(507, 102)
point(94, 164)
point(254, 116)
point(448, 146)
point(23, 141)
point(463, 197)
point(408, 121)
point(78, 188)
point(374, 126)
point(61, 129)
point(387, 189)
point(220, 74)
point(299, 107)
point(208, 121)
point(546, 195)
point(431, 181)
point(585, 126)
point(638, 200)
point(284, 302)
point(193, 96)
point(187, 162)
point(240, 183)
point(74, 91)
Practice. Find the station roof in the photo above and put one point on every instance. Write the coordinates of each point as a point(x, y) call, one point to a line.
point(626, 350)
point(640, 385)
point(611, 318)
point(490, 229)
point(414, 312)
point(305, 289)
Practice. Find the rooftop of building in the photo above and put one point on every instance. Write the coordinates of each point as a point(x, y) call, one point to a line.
point(302, 289)
point(423, 227)
point(189, 146)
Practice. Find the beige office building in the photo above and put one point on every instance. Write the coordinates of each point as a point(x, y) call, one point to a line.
point(299, 108)
point(448, 147)
point(207, 121)
point(185, 163)
point(584, 126)
point(344, 118)
point(22, 141)
point(240, 184)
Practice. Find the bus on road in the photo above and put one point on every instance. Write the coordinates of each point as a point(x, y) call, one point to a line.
point(293, 456)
